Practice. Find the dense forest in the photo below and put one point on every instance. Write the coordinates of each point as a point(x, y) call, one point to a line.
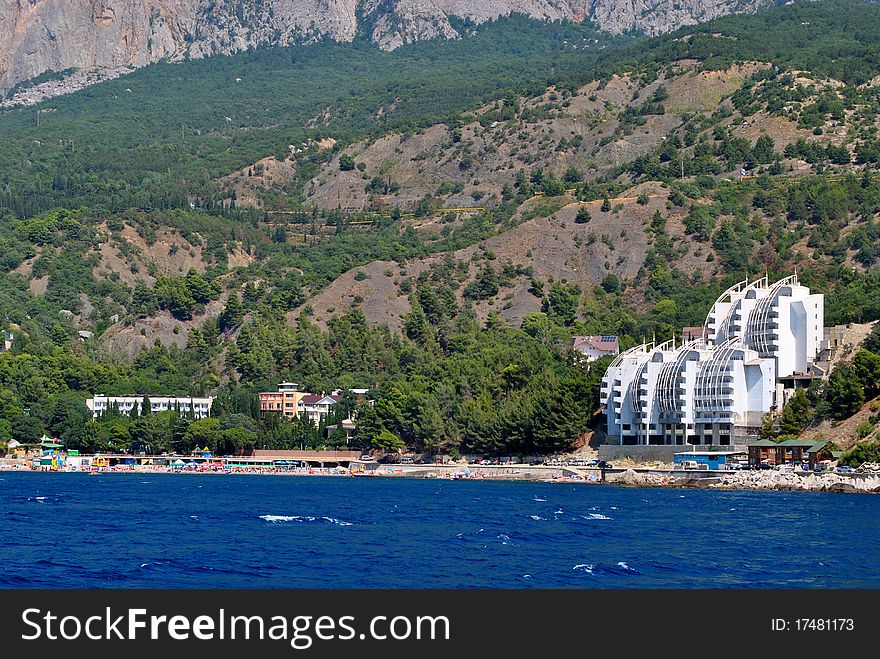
point(137, 162)
point(159, 137)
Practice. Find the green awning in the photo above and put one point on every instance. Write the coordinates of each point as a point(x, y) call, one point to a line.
point(764, 443)
point(818, 446)
point(802, 443)
point(837, 454)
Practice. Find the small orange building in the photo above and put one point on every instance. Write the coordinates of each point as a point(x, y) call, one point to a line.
point(283, 402)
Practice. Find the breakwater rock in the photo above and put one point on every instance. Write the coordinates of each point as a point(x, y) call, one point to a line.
point(751, 480)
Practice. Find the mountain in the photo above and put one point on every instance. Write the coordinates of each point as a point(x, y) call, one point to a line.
point(81, 41)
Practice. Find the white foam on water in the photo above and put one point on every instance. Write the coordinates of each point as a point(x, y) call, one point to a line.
point(274, 519)
point(584, 567)
point(286, 518)
point(558, 512)
point(537, 499)
point(626, 567)
point(537, 518)
point(527, 576)
point(504, 538)
point(40, 498)
point(193, 516)
point(613, 507)
point(595, 516)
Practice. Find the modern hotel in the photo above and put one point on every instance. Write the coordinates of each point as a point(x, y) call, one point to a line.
point(759, 342)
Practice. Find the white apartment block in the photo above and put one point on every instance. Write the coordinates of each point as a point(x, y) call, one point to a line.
point(717, 388)
point(199, 407)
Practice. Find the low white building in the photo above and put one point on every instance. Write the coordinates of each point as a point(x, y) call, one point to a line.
point(717, 388)
point(198, 407)
point(316, 407)
point(594, 347)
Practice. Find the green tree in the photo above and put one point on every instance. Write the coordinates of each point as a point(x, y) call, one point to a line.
point(232, 440)
point(337, 438)
point(562, 303)
point(867, 368)
point(69, 417)
point(583, 215)
point(843, 394)
point(610, 283)
point(552, 186)
point(768, 428)
point(796, 415)
point(861, 453)
point(872, 343)
point(150, 433)
point(763, 151)
point(26, 429)
point(200, 433)
point(346, 162)
point(232, 314)
point(388, 442)
point(484, 286)
point(368, 426)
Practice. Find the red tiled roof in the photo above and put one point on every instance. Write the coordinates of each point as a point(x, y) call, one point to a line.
point(316, 398)
point(691, 333)
point(599, 342)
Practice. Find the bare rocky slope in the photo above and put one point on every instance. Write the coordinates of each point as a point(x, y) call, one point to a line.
point(104, 38)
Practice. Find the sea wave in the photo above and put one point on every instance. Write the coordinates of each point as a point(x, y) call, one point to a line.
point(276, 519)
point(620, 569)
point(44, 499)
point(595, 516)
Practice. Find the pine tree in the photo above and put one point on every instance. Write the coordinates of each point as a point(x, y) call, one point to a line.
point(232, 314)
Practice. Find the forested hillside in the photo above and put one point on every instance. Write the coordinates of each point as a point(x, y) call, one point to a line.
point(434, 223)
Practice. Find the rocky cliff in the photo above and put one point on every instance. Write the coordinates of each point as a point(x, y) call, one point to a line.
point(38, 36)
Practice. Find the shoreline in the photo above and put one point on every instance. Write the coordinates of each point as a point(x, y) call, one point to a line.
point(864, 483)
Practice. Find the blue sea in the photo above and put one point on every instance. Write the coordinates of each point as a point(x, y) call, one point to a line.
point(175, 531)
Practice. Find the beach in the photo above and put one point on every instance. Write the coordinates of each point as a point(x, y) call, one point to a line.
point(828, 481)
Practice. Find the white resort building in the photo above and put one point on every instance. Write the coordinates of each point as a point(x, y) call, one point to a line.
point(716, 389)
point(198, 407)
